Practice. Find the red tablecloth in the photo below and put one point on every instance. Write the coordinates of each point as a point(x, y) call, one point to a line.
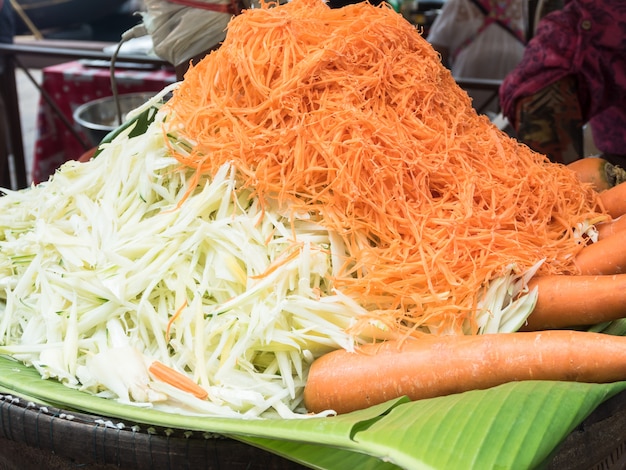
point(70, 85)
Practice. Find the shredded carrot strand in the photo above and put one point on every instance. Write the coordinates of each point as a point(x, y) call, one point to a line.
point(173, 319)
point(283, 259)
point(348, 114)
point(170, 376)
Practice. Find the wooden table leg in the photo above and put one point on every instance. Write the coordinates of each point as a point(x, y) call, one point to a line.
point(13, 151)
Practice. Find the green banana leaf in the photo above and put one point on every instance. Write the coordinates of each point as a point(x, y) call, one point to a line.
point(138, 124)
point(516, 425)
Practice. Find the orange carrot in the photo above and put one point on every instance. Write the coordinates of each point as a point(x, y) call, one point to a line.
point(598, 172)
point(569, 301)
point(347, 115)
point(614, 200)
point(606, 256)
point(170, 376)
point(437, 366)
point(606, 229)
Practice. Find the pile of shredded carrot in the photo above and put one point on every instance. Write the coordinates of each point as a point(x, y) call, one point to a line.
point(348, 114)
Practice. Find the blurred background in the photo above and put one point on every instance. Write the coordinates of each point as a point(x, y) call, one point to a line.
point(88, 20)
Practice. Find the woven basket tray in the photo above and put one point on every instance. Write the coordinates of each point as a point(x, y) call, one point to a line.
point(599, 443)
point(40, 437)
point(36, 437)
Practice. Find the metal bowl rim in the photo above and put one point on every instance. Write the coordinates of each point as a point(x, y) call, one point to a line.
point(101, 127)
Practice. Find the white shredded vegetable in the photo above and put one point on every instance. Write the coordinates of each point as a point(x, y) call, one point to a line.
point(97, 261)
point(103, 272)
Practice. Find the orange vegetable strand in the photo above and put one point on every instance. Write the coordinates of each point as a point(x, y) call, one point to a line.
point(173, 319)
point(170, 376)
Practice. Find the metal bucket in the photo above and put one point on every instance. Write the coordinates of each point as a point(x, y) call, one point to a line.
point(99, 117)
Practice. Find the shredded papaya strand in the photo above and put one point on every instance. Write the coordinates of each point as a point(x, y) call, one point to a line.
point(348, 114)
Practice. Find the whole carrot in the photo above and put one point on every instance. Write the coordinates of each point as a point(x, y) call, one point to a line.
point(606, 229)
point(597, 171)
point(566, 301)
point(606, 256)
point(436, 366)
point(614, 200)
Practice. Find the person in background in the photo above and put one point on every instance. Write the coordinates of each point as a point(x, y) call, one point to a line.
point(573, 72)
point(185, 31)
point(482, 39)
